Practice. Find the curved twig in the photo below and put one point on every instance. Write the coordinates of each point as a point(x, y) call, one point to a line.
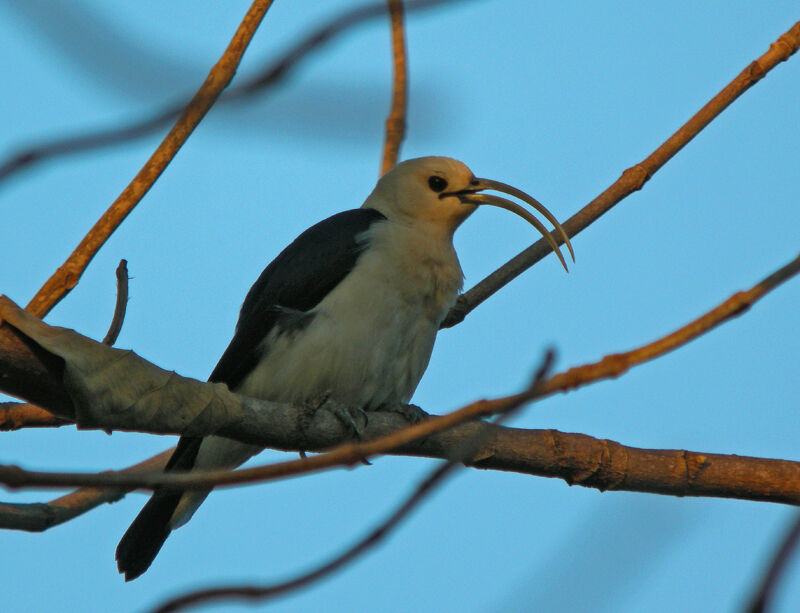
point(632, 179)
point(121, 305)
point(396, 121)
point(67, 276)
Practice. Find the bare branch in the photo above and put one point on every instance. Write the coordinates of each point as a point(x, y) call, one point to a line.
point(282, 426)
point(632, 179)
point(40, 516)
point(614, 365)
point(344, 455)
point(769, 582)
point(18, 415)
point(122, 304)
point(396, 122)
point(67, 276)
point(272, 74)
point(376, 535)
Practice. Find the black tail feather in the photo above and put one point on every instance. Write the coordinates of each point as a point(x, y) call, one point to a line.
point(142, 541)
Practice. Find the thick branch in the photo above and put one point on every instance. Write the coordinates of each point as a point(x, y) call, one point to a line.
point(370, 540)
point(115, 389)
point(576, 458)
point(396, 122)
point(67, 276)
point(173, 404)
point(633, 178)
point(17, 415)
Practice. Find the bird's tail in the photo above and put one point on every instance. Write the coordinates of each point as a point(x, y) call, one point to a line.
point(142, 541)
point(170, 508)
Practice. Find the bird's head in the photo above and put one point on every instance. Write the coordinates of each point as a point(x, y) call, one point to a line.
point(441, 193)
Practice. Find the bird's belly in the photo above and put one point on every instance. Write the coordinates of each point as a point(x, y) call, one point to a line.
point(369, 340)
point(364, 355)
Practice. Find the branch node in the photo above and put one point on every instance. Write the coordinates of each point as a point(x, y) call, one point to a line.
point(635, 177)
point(694, 463)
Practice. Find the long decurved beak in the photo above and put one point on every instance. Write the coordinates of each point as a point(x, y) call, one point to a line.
point(471, 195)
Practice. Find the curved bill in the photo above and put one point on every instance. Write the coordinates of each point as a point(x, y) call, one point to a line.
point(518, 193)
point(508, 205)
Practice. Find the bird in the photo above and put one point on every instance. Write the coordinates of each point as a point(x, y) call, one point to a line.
point(348, 312)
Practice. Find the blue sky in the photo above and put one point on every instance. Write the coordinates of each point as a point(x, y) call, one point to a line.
point(555, 98)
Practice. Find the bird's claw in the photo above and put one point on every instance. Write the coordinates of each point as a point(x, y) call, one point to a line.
point(410, 412)
point(348, 416)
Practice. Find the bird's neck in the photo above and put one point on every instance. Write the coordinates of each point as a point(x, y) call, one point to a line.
point(422, 263)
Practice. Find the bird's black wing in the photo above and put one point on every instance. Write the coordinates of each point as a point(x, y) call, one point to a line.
point(297, 280)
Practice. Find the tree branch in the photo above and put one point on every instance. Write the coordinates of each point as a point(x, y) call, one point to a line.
point(347, 454)
point(17, 415)
point(67, 276)
point(632, 179)
point(173, 404)
point(396, 122)
point(40, 516)
point(616, 364)
point(376, 535)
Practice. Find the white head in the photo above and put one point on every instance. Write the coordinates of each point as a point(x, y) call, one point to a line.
point(441, 193)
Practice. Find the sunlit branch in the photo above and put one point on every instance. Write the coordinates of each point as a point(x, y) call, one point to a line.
point(633, 178)
point(396, 121)
point(67, 276)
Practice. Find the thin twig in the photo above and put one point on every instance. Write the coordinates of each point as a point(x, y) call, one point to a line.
point(40, 516)
point(614, 365)
point(761, 601)
point(423, 490)
point(632, 179)
point(67, 276)
point(121, 306)
point(396, 121)
point(272, 74)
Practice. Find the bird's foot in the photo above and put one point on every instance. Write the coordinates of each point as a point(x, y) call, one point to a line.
point(347, 415)
point(410, 412)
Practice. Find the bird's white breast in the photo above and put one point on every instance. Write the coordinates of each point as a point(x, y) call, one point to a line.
point(371, 338)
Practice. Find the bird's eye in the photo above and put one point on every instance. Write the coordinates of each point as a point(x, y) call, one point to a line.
point(437, 184)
